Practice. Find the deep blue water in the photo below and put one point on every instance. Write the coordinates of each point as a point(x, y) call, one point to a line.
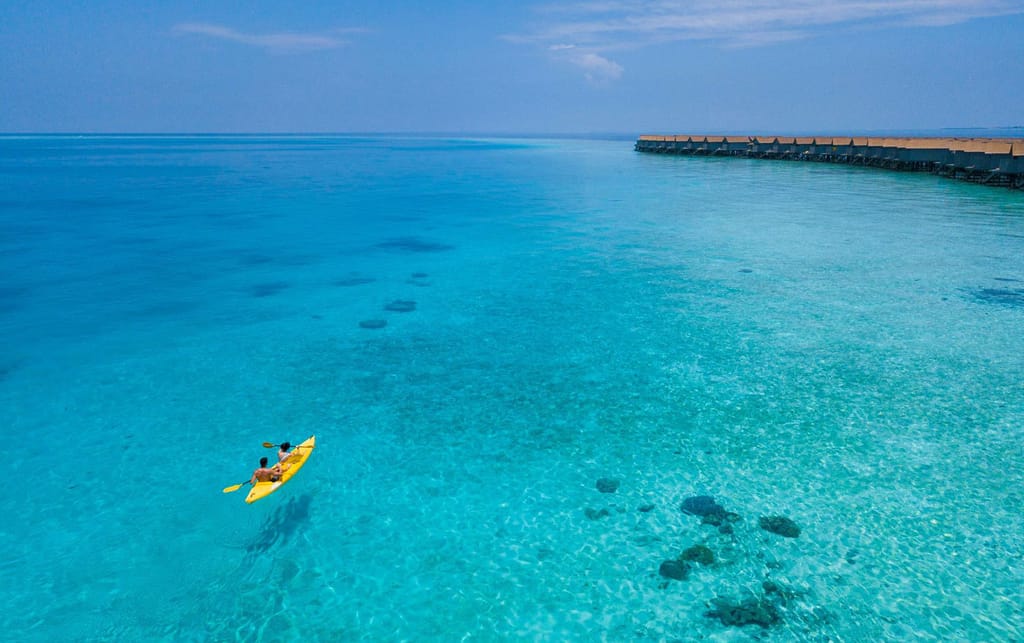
point(835, 345)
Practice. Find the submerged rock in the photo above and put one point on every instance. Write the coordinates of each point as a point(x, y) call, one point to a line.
point(268, 289)
point(418, 279)
point(674, 569)
point(401, 306)
point(701, 506)
point(373, 323)
point(749, 611)
point(699, 554)
point(779, 525)
point(781, 594)
point(413, 244)
point(1002, 296)
point(645, 508)
point(607, 485)
point(720, 518)
point(594, 514)
point(353, 281)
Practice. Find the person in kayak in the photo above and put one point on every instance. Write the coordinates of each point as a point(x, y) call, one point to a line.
point(283, 454)
point(266, 474)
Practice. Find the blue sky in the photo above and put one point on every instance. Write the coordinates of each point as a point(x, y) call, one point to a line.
point(552, 66)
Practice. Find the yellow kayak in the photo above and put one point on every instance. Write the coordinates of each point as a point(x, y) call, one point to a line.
point(289, 467)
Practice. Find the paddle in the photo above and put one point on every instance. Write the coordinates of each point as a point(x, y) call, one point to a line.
point(270, 445)
point(235, 487)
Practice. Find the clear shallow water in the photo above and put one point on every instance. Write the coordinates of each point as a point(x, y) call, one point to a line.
point(838, 346)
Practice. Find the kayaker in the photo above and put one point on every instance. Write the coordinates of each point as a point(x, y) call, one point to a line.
point(266, 474)
point(283, 454)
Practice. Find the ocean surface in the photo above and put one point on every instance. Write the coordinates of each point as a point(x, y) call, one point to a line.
point(840, 347)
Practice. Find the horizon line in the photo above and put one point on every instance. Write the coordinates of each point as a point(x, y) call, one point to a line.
point(485, 134)
point(318, 133)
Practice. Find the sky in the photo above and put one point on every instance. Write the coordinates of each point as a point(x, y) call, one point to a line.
point(510, 67)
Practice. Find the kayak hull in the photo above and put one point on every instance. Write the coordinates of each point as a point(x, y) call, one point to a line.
point(289, 468)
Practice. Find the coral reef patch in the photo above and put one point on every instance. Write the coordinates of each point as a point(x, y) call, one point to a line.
point(752, 610)
point(418, 279)
point(354, 280)
point(1000, 296)
point(401, 306)
point(699, 554)
point(780, 525)
point(701, 506)
point(413, 244)
point(674, 569)
point(268, 289)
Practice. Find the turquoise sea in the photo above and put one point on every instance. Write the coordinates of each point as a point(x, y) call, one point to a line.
point(841, 347)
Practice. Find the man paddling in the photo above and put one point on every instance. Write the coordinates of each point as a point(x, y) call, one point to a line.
point(266, 474)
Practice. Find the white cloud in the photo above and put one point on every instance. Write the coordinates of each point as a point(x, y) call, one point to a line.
point(279, 42)
point(597, 69)
point(599, 27)
point(596, 22)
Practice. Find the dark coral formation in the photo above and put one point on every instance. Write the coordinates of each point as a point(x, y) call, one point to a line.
point(401, 306)
point(698, 554)
point(781, 594)
point(710, 512)
point(354, 280)
point(1000, 296)
point(752, 610)
point(418, 279)
point(720, 519)
point(413, 244)
point(674, 569)
point(373, 323)
point(607, 485)
point(268, 289)
point(701, 506)
point(780, 525)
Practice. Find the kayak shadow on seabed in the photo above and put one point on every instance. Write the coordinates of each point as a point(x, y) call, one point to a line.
point(282, 525)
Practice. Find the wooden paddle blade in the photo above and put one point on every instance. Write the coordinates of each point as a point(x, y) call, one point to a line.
point(269, 444)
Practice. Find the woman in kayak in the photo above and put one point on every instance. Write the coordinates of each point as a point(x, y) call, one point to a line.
point(265, 474)
point(283, 454)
